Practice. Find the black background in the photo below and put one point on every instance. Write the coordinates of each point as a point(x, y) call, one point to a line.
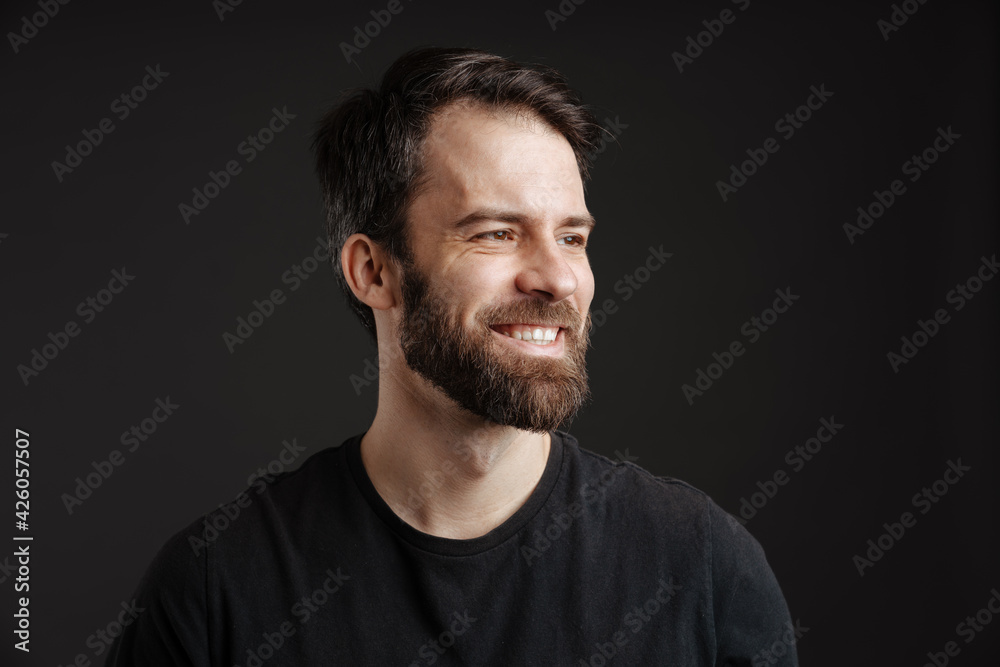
point(679, 133)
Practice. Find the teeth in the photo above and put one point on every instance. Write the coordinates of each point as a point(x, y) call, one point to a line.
point(536, 336)
point(538, 341)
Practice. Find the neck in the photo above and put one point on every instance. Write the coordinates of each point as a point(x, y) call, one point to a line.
point(443, 470)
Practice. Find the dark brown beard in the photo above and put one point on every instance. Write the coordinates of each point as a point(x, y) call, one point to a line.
point(528, 392)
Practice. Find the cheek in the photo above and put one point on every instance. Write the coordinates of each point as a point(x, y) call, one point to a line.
point(466, 295)
point(585, 287)
point(483, 280)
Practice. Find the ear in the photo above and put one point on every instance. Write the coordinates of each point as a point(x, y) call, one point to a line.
point(369, 272)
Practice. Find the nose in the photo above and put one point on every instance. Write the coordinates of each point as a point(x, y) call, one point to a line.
point(545, 272)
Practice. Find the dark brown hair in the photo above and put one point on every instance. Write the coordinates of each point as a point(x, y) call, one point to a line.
point(367, 147)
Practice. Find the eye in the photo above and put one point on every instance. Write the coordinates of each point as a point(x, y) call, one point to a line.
point(498, 235)
point(573, 239)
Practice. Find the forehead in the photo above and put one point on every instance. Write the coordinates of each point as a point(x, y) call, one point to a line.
point(474, 156)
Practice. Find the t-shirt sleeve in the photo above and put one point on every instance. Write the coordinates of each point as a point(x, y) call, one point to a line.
point(170, 626)
point(752, 623)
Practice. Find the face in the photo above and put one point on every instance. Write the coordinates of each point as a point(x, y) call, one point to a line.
point(496, 298)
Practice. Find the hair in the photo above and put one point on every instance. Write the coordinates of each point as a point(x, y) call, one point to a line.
point(368, 147)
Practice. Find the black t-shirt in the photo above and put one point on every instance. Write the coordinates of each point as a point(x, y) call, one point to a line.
point(603, 563)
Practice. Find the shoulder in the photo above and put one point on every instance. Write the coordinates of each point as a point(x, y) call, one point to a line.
point(181, 587)
point(622, 482)
point(165, 620)
point(668, 506)
point(272, 502)
point(191, 553)
point(687, 529)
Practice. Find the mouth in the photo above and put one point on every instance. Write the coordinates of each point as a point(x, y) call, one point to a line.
point(535, 334)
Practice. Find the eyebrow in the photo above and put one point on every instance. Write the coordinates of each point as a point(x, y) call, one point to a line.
point(586, 221)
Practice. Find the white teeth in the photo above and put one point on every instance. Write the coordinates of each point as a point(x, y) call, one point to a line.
point(536, 336)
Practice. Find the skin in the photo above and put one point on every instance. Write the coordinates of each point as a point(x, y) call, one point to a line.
point(476, 160)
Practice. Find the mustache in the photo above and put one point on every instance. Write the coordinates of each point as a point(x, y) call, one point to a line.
point(533, 311)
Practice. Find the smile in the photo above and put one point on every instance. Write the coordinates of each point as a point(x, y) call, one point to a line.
point(535, 334)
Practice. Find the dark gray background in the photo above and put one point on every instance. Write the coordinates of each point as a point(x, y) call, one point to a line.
point(162, 336)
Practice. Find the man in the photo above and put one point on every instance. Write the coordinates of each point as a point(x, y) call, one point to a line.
point(462, 527)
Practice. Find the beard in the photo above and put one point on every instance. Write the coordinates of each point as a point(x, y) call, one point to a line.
point(473, 368)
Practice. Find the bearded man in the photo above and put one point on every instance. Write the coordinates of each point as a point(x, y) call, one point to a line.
point(463, 527)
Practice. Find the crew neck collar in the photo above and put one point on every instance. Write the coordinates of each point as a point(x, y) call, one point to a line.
point(453, 547)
